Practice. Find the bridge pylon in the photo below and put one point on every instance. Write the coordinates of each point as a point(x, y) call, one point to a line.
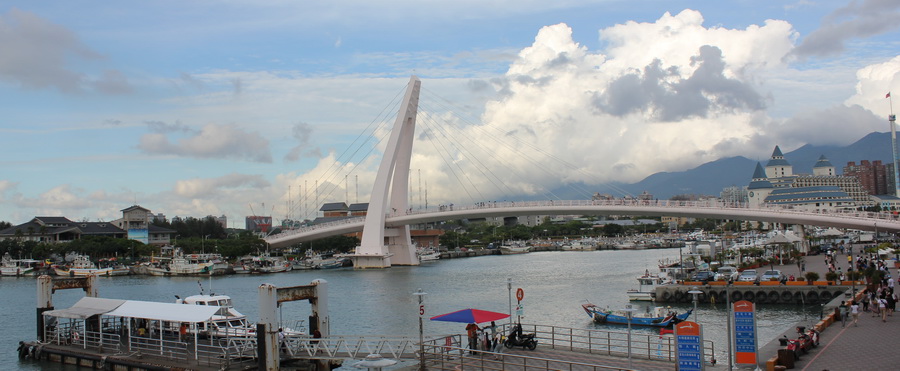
point(383, 246)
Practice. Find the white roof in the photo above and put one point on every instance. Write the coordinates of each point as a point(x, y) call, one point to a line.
point(165, 311)
point(86, 307)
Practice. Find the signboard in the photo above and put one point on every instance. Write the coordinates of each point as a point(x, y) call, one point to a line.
point(520, 294)
point(689, 346)
point(140, 235)
point(745, 333)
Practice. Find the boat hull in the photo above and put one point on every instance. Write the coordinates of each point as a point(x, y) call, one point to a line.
point(599, 315)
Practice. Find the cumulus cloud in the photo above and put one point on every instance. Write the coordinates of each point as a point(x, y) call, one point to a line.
point(210, 188)
point(212, 141)
point(35, 52)
point(873, 82)
point(858, 19)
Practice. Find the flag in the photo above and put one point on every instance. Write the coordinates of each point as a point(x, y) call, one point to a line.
point(888, 95)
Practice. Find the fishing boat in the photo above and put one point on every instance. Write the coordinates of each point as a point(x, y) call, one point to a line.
point(661, 316)
point(18, 267)
point(514, 248)
point(188, 265)
point(81, 266)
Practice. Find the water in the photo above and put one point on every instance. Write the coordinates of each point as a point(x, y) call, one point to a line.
point(380, 302)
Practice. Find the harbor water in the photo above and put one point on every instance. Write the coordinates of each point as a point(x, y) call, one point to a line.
point(381, 302)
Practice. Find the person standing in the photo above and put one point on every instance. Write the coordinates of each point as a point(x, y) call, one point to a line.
point(472, 331)
point(882, 306)
point(491, 332)
point(854, 311)
point(842, 309)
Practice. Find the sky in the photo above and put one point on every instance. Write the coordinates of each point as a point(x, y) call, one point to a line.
point(245, 107)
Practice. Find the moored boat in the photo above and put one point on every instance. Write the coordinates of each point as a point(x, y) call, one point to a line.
point(662, 317)
point(514, 248)
point(189, 265)
point(18, 267)
point(82, 266)
point(646, 290)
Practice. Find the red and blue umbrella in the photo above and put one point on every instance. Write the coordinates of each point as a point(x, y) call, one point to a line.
point(470, 316)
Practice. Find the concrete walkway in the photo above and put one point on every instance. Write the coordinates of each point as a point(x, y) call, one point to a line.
point(870, 345)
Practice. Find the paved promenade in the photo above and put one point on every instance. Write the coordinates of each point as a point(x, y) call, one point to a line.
point(871, 345)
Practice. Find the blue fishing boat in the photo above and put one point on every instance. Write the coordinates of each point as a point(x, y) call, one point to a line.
point(663, 317)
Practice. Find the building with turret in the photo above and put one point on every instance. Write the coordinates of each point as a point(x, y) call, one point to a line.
point(823, 190)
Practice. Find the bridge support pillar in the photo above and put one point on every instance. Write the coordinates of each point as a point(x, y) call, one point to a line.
point(390, 194)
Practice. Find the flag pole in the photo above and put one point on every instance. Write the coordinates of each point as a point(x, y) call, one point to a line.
point(892, 119)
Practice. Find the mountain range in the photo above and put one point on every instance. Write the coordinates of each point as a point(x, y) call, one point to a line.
point(711, 177)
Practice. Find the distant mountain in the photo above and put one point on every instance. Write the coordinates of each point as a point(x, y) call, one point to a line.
point(711, 177)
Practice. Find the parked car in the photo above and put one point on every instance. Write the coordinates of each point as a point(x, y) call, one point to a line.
point(748, 275)
point(703, 276)
point(726, 273)
point(770, 274)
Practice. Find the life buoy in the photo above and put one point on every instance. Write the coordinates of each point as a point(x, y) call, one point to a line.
point(812, 297)
point(787, 297)
point(774, 297)
point(749, 296)
point(761, 297)
point(736, 296)
point(75, 336)
point(798, 297)
point(666, 296)
point(679, 296)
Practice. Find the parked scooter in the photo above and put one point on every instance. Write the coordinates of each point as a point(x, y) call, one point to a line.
point(517, 339)
point(806, 340)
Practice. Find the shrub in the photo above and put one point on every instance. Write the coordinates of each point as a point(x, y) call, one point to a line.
point(811, 276)
point(831, 276)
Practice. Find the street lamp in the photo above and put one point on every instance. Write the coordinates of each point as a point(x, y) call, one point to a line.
point(628, 310)
point(696, 292)
point(421, 296)
point(509, 289)
point(728, 324)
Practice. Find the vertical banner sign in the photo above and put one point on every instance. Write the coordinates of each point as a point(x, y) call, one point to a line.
point(689, 346)
point(745, 333)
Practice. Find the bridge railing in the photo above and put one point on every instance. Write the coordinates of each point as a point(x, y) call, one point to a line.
point(709, 205)
point(351, 346)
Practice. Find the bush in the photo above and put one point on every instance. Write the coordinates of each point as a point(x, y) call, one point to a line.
point(811, 276)
point(831, 276)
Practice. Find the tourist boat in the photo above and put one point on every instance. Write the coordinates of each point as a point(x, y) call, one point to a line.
point(227, 321)
point(646, 290)
point(18, 267)
point(661, 316)
point(189, 265)
point(82, 266)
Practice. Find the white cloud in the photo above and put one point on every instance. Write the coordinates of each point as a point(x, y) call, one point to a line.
point(35, 53)
point(212, 141)
point(874, 82)
point(211, 188)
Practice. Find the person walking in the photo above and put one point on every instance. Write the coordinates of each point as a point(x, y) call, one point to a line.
point(843, 310)
point(882, 306)
point(854, 311)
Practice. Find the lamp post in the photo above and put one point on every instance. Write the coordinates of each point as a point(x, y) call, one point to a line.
point(421, 296)
point(728, 324)
point(696, 292)
point(628, 310)
point(509, 289)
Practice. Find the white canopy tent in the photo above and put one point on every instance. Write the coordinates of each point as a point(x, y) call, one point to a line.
point(86, 307)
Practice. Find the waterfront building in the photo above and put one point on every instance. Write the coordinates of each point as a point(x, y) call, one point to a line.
point(823, 190)
point(134, 224)
point(887, 202)
point(873, 177)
